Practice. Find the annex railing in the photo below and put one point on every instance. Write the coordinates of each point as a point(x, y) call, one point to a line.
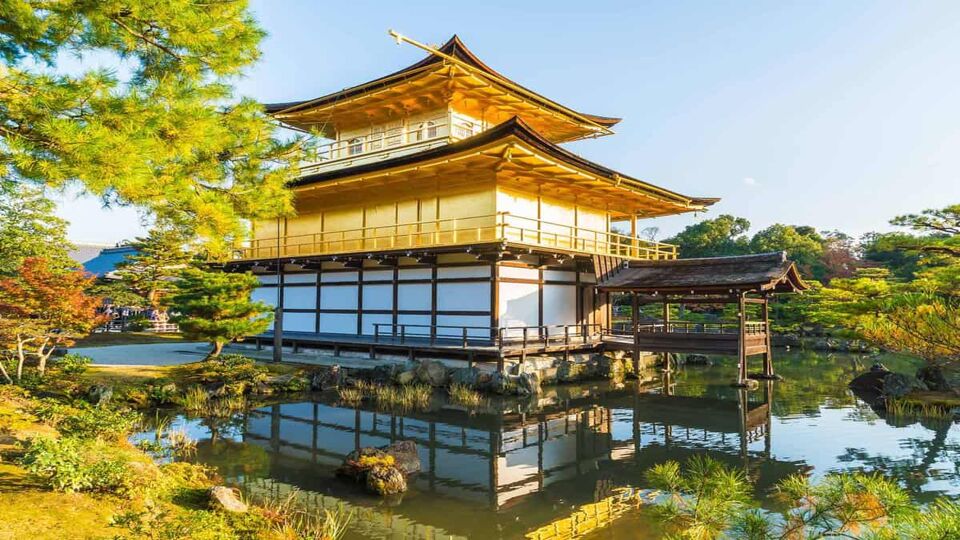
point(500, 227)
point(688, 327)
point(502, 338)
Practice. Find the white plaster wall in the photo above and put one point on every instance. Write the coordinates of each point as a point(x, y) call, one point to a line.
point(414, 297)
point(299, 298)
point(378, 275)
point(463, 272)
point(559, 275)
point(415, 320)
point(338, 323)
point(268, 279)
point(377, 297)
point(267, 295)
point(300, 278)
point(481, 322)
point(414, 273)
point(519, 305)
point(299, 322)
point(517, 272)
point(338, 277)
point(369, 319)
point(559, 306)
point(463, 297)
point(338, 297)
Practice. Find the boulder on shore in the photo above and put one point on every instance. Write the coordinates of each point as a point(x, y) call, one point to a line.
point(226, 498)
point(934, 378)
point(433, 373)
point(699, 360)
point(99, 394)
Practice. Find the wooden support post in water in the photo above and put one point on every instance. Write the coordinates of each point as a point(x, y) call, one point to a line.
point(635, 328)
point(742, 341)
point(768, 355)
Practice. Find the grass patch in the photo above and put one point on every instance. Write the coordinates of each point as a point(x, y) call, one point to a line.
point(403, 398)
point(907, 408)
point(462, 394)
point(105, 339)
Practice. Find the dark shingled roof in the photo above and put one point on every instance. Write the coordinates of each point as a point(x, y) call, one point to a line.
point(453, 47)
point(762, 272)
point(513, 127)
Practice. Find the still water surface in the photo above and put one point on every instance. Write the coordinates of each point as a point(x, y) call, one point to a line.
point(516, 466)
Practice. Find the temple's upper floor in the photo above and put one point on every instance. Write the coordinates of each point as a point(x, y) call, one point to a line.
point(447, 96)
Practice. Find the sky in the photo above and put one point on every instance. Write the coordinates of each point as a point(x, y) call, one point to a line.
point(839, 115)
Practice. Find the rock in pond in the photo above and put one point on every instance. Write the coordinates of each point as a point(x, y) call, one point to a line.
point(406, 377)
point(228, 499)
point(871, 381)
point(327, 379)
point(528, 383)
point(382, 470)
point(385, 480)
point(897, 385)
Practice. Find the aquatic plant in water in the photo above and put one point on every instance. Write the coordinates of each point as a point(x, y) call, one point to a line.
point(901, 408)
point(195, 399)
point(412, 396)
point(462, 394)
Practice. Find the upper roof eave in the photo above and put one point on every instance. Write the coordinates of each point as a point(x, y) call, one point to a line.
point(453, 47)
point(515, 127)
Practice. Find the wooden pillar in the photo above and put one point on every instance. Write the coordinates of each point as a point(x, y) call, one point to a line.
point(634, 326)
point(768, 354)
point(742, 340)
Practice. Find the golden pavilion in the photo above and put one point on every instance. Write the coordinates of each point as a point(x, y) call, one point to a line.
point(444, 217)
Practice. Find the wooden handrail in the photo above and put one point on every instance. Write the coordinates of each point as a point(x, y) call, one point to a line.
point(500, 227)
point(500, 336)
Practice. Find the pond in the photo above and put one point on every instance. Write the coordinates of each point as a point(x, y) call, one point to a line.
point(516, 466)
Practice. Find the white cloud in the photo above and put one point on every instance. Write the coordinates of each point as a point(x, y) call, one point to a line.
point(750, 181)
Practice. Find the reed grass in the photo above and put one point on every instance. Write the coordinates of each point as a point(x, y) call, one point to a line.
point(909, 409)
point(462, 394)
point(408, 397)
point(351, 395)
point(195, 400)
point(293, 520)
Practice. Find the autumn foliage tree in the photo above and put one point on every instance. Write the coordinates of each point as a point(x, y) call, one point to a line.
point(216, 307)
point(41, 308)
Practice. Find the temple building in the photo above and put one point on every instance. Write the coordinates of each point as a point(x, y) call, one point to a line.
point(445, 218)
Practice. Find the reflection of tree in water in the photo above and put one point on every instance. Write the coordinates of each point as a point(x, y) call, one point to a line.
point(914, 471)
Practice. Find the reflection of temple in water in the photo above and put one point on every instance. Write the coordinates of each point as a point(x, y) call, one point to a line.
point(523, 465)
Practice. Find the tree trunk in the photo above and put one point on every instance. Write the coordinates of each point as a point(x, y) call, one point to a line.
point(3, 371)
point(20, 359)
point(217, 349)
point(43, 355)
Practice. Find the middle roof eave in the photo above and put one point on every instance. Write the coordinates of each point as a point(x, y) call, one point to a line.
point(515, 127)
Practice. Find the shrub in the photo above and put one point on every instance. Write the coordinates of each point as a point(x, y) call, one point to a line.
point(85, 421)
point(73, 364)
point(232, 368)
point(73, 464)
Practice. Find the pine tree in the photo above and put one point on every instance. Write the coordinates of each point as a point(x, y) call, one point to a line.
point(29, 228)
point(216, 307)
point(164, 132)
point(159, 259)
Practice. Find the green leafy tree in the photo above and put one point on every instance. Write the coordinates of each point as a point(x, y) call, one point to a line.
point(159, 259)
point(29, 228)
point(724, 235)
point(168, 136)
point(803, 244)
point(216, 307)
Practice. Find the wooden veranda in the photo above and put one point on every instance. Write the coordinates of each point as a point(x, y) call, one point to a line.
point(742, 280)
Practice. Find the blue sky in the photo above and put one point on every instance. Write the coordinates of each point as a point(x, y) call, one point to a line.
point(839, 115)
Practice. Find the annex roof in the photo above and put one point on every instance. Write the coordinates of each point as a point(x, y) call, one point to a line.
point(513, 150)
point(462, 79)
point(762, 272)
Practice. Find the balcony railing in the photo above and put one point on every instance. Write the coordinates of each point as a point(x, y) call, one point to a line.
point(381, 145)
point(500, 227)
